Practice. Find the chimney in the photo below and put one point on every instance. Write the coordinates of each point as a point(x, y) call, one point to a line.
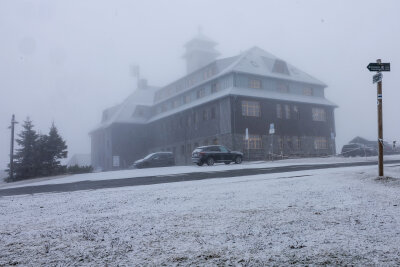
point(142, 84)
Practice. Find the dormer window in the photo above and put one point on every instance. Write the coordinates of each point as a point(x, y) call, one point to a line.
point(280, 67)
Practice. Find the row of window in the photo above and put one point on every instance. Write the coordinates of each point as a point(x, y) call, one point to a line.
point(292, 142)
point(255, 142)
point(282, 87)
point(188, 121)
point(283, 111)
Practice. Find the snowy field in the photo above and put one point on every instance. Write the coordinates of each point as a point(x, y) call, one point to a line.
point(185, 169)
point(321, 217)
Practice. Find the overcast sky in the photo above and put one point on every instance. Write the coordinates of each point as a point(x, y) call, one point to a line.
point(65, 61)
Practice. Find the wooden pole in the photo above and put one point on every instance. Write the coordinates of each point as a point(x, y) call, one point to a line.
point(380, 126)
point(13, 122)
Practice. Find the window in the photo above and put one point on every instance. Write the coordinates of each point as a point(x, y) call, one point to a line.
point(182, 150)
point(175, 103)
point(280, 67)
point(164, 107)
point(194, 115)
point(251, 108)
point(255, 83)
point(296, 113)
point(200, 93)
point(254, 142)
point(318, 114)
point(213, 113)
point(139, 112)
point(208, 73)
point(223, 149)
point(283, 87)
point(280, 143)
point(320, 143)
point(187, 99)
point(295, 143)
point(205, 115)
point(289, 142)
point(308, 91)
point(214, 87)
point(287, 112)
point(279, 114)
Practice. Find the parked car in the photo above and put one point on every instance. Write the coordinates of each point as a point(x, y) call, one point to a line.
point(158, 159)
point(355, 149)
point(212, 154)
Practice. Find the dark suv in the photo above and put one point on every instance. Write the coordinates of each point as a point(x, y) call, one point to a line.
point(212, 154)
point(158, 159)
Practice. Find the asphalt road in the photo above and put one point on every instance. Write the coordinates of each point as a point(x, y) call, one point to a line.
point(159, 179)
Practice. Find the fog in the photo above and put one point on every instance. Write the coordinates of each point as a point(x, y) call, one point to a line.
point(66, 61)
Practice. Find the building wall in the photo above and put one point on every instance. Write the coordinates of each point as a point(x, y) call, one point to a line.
point(182, 132)
point(287, 130)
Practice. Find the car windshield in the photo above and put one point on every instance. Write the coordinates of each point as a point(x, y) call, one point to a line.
point(150, 155)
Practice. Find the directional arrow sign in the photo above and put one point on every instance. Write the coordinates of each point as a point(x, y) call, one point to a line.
point(377, 78)
point(378, 67)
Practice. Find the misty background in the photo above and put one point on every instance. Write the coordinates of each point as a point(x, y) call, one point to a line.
point(66, 61)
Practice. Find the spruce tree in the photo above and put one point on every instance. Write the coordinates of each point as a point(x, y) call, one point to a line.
point(25, 157)
point(55, 149)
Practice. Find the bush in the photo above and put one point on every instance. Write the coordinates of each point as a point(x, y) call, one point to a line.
point(75, 169)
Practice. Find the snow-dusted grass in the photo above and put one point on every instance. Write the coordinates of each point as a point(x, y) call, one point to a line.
point(323, 217)
point(184, 169)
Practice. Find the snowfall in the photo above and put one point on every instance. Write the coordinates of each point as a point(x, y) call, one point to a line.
point(337, 216)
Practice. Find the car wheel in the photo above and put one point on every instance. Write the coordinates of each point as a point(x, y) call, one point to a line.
point(210, 161)
point(238, 160)
point(200, 163)
point(227, 162)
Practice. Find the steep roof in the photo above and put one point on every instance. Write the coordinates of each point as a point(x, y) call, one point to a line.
point(124, 112)
point(254, 61)
point(259, 62)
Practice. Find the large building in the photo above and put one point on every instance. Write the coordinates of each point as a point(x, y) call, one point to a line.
point(215, 103)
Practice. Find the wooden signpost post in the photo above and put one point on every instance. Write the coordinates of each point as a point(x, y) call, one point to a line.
point(377, 78)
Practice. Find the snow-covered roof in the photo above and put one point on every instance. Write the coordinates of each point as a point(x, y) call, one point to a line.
point(259, 62)
point(255, 61)
point(125, 112)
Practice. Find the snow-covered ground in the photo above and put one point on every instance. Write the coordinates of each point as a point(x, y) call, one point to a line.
point(337, 216)
point(184, 169)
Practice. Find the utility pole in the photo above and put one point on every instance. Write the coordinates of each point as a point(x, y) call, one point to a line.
point(12, 126)
point(377, 78)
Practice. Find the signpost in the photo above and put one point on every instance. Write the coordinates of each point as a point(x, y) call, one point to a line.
point(248, 143)
point(377, 78)
point(271, 132)
point(378, 66)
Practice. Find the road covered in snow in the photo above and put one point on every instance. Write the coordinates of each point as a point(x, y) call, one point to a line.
point(324, 217)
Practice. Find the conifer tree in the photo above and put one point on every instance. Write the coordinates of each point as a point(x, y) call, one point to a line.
point(25, 157)
point(54, 150)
